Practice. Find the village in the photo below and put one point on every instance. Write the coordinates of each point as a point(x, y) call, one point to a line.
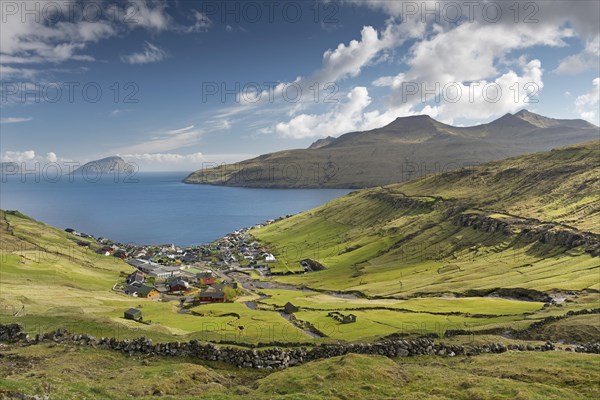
point(218, 272)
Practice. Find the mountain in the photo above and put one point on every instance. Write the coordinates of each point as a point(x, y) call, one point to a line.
point(528, 223)
point(108, 165)
point(406, 148)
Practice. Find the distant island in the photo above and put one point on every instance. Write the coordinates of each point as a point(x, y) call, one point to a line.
point(405, 149)
point(108, 165)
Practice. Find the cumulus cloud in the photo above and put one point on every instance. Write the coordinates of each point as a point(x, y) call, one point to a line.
point(30, 157)
point(587, 59)
point(54, 32)
point(150, 54)
point(345, 117)
point(14, 120)
point(18, 156)
point(587, 104)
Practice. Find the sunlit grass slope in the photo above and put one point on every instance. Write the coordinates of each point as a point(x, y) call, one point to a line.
point(406, 240)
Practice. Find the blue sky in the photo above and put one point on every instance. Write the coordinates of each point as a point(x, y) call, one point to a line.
point(162, 68)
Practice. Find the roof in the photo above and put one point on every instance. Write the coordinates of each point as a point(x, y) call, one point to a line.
point(133, 311)
point(178, 282)
point(215, 294)
point(144, 290)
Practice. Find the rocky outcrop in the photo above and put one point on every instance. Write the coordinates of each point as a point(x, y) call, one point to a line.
point(532, 231)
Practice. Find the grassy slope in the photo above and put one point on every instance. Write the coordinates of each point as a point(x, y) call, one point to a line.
point(83, 373)
point(396, 241)
point(62, 284)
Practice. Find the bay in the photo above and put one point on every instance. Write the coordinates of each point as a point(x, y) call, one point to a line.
point(155, 208)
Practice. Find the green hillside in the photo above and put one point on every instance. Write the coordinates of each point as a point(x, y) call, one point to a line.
point(48, 281)
point(530, 222)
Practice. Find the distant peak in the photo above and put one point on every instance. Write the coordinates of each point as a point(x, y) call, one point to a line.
point(423, 117)
point(413, 120)
point(509, 119)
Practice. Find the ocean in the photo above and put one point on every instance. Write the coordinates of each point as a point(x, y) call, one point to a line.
point(155, 208)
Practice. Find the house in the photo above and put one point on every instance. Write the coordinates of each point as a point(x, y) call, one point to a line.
point(120, 254)
point(211, 296)
point(205, 278)
point(132, 290)
point(178, 285)
point(270, 258)
point(136, 277)
point(83, 243)
point(289, 308)
point(70, 230)
point(133, 314)
point(106, 250)
point(148, 292)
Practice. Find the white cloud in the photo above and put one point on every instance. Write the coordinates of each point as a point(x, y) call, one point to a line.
point(118, 111)
point(150, 54)
point(39, 38)
point(180, 162)
point(170, 140)
point(348, 60)
point(585, 60)
point(141, 14)
point(14, 120)
point(18, 156)
point(345, 117)
point(201, 23)
point(168, 158)
point(29, 158)
point(587, 104)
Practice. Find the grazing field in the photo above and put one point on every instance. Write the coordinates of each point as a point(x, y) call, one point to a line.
point(466, 305)
point(68, 372)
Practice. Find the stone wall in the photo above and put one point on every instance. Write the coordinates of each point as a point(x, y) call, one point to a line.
point(271, 358)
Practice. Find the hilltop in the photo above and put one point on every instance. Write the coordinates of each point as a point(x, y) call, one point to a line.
point(405, 149)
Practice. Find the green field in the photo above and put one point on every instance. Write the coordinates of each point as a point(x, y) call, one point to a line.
point(66, 372)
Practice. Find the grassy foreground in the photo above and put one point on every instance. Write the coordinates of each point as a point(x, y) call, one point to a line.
point(83, 373)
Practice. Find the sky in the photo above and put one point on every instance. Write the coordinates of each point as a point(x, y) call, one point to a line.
point(173, 85)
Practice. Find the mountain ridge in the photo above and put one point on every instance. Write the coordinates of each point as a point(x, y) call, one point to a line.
point(406, 148)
